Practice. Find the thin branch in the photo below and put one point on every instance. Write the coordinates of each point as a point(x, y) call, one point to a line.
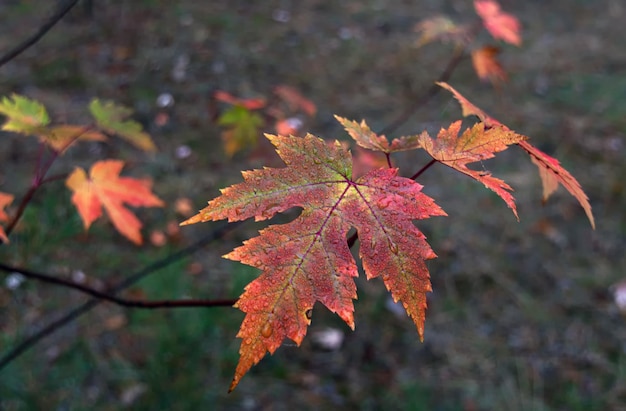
point(432, 91)
point(40, 179)
point(54, 19)
point(20, 209)
point(75, 313)
point(111, 298)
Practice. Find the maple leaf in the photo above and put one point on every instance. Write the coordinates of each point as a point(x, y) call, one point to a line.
point(441, 28)
point(60, 138)
point(243, 128)
point(112, 119)
point(487, 66)
point(309, 260)
point(499, 24)
point(5, 200)
point(550, 170)
point(295, 100)
point(475, 144)
point(366, 138)
point(105, 188)
point(249, 103)
point(24, 115)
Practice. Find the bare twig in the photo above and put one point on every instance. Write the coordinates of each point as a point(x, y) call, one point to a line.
point(432, 91)
point(54, 19)
point(46, 278)
point(73, 314)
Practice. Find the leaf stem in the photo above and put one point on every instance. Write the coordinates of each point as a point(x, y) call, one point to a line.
point(421, 171)
point(39, 179)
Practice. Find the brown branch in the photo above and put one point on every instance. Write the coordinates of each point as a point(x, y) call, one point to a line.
point(40, 179)
point(54, 19)
point(432, 91)
point(78, 311)
point(46, 278)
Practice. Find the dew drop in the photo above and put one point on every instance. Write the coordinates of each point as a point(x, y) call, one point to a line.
point(267, 330)
point(382, 204)
point(393, 247)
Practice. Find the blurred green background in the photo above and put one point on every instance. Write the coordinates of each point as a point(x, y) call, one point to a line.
point(523, 315)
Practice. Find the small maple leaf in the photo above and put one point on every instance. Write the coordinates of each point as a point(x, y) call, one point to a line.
point(550, 170)
point(487, 66)
point(475, 144)
point(5, 200)
point(309, 260)
point(112, 119)
point(249, 103)
point(60, 138)
point(366, 138)
point(295, 100)
point(24, 115)
point(501, 25)
point(105, 188)
point(242, 128)
point(441, 28)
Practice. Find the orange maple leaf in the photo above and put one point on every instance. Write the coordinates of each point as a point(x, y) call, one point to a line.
point(295, 100)
point(105, 188)
point(366, 138)
point(475, 144)
point(487, 66)
point(550, 170)
point(309, 260)
point(248, 103)
point(501, 25)
point(5, 200)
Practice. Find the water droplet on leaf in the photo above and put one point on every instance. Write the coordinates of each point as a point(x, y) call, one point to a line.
point(267, 330)
point(393, 247)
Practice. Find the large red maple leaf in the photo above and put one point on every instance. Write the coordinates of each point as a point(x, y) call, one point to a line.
point(309, 259)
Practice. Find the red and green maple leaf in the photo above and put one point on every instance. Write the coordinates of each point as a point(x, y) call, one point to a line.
point(104, 187)
point(550, 170)
point(309, 259)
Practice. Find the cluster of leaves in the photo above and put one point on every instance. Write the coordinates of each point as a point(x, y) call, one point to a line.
point(244, 119)
point(501, 25)
point(102, 187)
point(309, 259)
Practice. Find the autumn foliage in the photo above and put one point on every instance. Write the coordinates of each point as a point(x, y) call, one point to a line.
point(309, 259)
point(103, 187)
